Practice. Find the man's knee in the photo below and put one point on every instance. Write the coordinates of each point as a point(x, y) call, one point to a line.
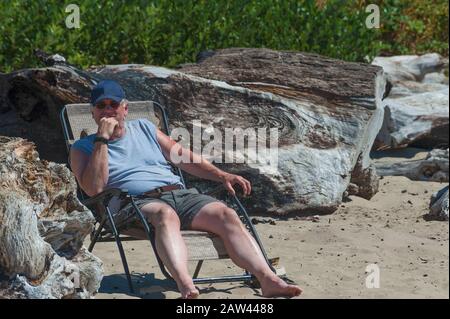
point(163, 216)
point(228, 216)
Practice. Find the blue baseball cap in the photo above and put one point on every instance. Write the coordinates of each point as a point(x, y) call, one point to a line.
point(107, 89)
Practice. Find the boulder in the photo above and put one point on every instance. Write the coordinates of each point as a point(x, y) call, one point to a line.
point(42, 228)
point(439, 205)
point(416, 110)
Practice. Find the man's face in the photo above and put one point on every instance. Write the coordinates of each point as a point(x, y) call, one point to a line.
point(110, 108)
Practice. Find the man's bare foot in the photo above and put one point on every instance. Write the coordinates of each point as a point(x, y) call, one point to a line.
point(188, 291)
point(273, 286)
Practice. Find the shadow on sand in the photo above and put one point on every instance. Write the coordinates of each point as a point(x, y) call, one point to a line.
point(146, 286)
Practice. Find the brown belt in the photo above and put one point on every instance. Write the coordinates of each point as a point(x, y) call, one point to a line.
point(157, 191)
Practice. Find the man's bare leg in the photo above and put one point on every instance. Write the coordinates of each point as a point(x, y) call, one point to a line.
point(219, 219)
point(170, 245)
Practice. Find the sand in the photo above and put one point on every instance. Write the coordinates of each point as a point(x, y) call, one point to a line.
point(326, 257)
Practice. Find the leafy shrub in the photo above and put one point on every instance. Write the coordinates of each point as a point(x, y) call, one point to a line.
point(171, 32)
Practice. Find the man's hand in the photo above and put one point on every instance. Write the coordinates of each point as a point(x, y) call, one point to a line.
point(106, 127)
point(229, 180)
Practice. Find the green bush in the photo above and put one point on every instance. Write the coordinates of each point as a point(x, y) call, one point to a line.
point(171, 32)
point(415, 26)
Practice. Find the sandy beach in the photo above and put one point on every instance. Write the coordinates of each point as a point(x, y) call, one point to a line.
point(326, 257)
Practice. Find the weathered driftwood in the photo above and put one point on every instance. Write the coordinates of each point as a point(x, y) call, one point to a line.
point(434, 168)
point(439, 204)
point(30, 101)
point(42, 228)
point(327, 113)
point(316, 90)
point(416, 111)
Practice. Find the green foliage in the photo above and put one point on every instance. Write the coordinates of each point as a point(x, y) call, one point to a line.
point(171, 32)
point(414, 26)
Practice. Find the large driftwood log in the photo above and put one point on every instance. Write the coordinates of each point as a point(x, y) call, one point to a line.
point(30, 102)
point(416, 111)
point(42, 228)
point(439, 205)
point(327, 113)
point(434, 168)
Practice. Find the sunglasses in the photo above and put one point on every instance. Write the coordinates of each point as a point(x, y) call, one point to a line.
point(103, 105)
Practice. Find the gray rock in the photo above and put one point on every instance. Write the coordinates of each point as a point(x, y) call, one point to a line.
point(439, 204)
point(416, 110)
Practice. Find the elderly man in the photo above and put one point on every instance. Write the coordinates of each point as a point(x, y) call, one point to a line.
point(134, 155)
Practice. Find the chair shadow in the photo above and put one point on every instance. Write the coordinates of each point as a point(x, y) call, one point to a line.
point(229, 291)
point(146, 286)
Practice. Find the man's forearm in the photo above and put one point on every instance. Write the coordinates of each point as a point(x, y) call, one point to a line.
point(96, 174)
point(200, 167)
point(188, 161)
point(204, 169)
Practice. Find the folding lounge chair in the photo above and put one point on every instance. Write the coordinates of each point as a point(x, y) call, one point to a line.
point(77, 122)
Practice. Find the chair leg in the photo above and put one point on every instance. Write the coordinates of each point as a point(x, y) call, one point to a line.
point(120, 247)
point(197, 269)
point(210, 280)
point(96, 235)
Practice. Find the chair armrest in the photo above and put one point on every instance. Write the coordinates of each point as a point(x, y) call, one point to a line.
point(104, 197)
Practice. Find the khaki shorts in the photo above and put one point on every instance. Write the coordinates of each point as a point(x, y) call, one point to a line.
point(185, 202)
